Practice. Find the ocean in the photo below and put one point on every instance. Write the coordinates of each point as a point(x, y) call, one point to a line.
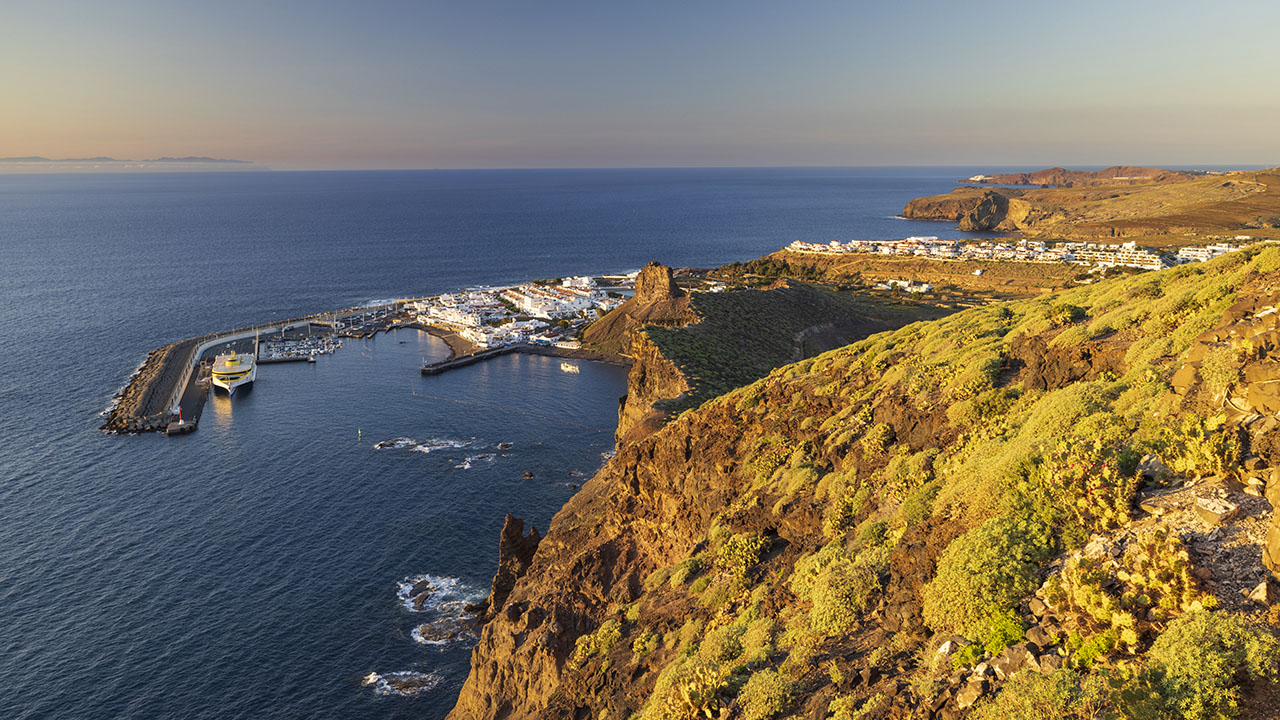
point(261, 566)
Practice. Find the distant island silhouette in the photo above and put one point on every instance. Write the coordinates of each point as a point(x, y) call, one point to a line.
point(188, 159)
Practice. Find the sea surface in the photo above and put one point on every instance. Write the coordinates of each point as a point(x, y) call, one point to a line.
point(260, 567)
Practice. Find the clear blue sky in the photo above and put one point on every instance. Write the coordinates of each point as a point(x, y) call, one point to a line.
point(398, 84)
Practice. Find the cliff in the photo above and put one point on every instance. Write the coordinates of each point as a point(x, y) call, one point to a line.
point(688, 348)
point(1061, 177)
point(1171, 212)
point(961, 517)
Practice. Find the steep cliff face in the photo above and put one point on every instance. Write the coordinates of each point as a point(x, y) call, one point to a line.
point(653, 378)
point(899, 527)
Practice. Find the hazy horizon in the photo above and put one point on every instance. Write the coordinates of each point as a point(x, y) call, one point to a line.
point(446, 85)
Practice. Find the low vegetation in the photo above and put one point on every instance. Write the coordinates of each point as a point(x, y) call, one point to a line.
point(921, 487)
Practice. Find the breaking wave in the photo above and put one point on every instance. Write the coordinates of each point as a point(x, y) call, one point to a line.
point(403, 683)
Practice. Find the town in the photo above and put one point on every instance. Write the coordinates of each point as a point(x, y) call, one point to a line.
point(1095, 254)
point(539, 313)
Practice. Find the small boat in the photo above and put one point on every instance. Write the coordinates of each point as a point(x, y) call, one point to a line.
point(569, 368)
point(311, 358)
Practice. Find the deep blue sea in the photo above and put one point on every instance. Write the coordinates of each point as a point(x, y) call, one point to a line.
point(252, 569)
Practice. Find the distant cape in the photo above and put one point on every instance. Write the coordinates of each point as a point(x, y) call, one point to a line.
point(188, 159)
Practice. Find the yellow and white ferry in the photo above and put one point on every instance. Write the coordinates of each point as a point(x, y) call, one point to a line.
point(233, 370)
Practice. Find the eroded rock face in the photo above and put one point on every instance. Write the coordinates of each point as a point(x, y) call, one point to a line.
point(990, 212)
point(656, 283)
point(515, 553)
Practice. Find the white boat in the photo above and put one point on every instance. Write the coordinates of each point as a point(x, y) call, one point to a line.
point(569, 368)
point(234, 370)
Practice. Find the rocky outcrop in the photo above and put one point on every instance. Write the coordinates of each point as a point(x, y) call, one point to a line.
point(1045, 366)
point(515, 553)
point(988, 214)
point(1244, 345)
point(653, 378)
point(655, 283)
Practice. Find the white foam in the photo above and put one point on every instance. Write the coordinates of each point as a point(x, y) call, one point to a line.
point(459, 632)
point(472, 460)
point(403, 683)
point(433, 444)
point(449, 595)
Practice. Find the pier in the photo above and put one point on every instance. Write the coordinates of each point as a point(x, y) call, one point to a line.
point(459, 361)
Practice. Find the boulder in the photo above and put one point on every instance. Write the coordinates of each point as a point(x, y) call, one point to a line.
point(1215, 511)
point(1264, 594)
point(1011, 660)
point(1037, 607)
point(1039, 636)
point(1271, 547)
point(971, 693)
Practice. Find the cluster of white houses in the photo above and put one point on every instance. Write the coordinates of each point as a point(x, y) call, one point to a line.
point(494, 317)
point(1096, 254)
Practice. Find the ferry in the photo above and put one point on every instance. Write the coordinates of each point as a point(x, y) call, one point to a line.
point(233, 370)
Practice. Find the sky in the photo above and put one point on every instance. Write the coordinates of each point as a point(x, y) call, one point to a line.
point(331, 84)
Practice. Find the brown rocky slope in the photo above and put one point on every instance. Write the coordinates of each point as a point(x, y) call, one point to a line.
point(905, 526)
point(1162, 214)
point(1061, 177)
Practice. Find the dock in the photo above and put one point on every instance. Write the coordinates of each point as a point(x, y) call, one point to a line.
point(451, 363)
point(436, 368)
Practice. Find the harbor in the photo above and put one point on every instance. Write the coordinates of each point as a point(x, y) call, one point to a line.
point(169, 390)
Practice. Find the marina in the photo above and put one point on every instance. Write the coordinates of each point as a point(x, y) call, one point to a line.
point(168, 392)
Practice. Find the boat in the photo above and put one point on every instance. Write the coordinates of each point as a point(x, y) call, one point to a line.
point(233, 370)
point(311, 358)
point(569, 368)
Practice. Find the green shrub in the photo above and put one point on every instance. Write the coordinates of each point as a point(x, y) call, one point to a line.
point(872, 533)
point(758, 641)
point(684, 570)
point(1065, 314)
point(685, 690)
point(723, 644)
point(646, 642)
point(1220, 371)
point(847, 708)
point(918, 505)
point(765, 695)
point(841, 593)
point(843, 513)
point(740, 553)
point(1202, 446)
point(983, 573)
point(1201, 659)
point(599, 642)
point(1006, 629)
point(967, 655)
point(1064, 694)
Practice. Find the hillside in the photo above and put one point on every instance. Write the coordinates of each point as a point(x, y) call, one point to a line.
point(686, 348)
point(1061, 177)
point(1164, 214)
point(1051, 507)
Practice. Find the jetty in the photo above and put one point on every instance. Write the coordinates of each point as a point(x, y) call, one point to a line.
point(167, 392)
point(458, 361)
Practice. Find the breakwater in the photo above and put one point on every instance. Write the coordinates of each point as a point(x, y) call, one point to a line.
point(457, 361)
point(167, 384)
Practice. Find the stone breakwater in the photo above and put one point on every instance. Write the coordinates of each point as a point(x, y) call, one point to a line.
point(167, 378)
point(144, 404)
